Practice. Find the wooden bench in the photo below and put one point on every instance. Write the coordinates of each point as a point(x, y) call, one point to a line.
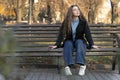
point(34, 40)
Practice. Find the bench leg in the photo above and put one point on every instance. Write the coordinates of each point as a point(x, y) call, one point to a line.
point(59, 67)
point(118, 60)
point(114, 63)
point(119, 67)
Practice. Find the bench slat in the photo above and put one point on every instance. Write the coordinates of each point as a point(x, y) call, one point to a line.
point(47, 50)
point(57, 28)
point(56, 32)
point(55, 54)
point(55, 36)
point(46, 44)
point(50, 40)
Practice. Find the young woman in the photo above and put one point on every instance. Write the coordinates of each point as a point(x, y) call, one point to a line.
point(75, 34)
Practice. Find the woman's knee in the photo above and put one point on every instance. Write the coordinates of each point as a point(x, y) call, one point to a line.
point(68, 43)
point(79, 41)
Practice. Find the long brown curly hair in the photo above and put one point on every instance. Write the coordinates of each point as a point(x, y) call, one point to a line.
point(69, 17)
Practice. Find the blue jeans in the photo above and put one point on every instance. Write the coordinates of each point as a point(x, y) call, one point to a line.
point(80, 49)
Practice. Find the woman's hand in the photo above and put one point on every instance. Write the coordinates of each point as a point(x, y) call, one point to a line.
point(52, 47)
point(95, 47)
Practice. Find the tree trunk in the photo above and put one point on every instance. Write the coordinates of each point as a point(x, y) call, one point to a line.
point(114, 13)
point(19, 11)
point(30, 12)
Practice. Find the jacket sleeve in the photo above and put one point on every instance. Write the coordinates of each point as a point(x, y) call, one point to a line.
point(88, 36)
point(60, 36)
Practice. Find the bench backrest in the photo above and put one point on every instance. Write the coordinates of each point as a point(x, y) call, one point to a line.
point(44, 35)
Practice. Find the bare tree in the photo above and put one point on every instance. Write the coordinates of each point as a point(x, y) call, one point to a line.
point(114, 10)
point(35, 10)
point(19, 11)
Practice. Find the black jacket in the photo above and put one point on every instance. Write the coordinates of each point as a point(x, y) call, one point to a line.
point(82, 32)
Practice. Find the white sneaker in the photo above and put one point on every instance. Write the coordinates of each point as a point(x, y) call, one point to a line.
point(67, 70)
point(82, 70)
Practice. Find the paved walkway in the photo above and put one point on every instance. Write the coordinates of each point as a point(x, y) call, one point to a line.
point(51, 74)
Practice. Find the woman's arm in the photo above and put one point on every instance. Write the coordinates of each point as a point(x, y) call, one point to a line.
point(88, 36)
point(59, 38)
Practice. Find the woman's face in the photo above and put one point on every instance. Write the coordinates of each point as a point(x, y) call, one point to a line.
point(75, 11)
